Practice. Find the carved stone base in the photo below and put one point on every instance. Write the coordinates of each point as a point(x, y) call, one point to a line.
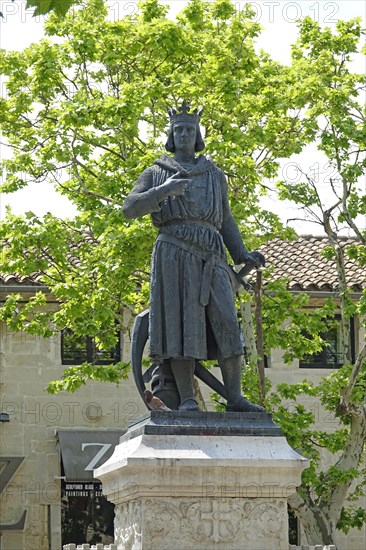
point(180, 524)
point(209, 482)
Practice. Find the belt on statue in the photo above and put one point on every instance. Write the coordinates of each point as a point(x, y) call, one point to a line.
point(190, 221)
point(209, 258)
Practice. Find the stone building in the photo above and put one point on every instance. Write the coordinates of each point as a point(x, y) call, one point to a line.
point(52, 443)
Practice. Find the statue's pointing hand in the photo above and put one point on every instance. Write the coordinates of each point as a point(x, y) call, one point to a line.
point(175, 185)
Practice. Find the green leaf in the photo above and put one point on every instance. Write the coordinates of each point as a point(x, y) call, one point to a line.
point(43, 7)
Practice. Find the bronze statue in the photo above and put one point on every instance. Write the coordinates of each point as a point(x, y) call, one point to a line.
point(192, 309)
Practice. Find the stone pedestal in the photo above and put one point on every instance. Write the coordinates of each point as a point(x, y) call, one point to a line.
point(202, 480)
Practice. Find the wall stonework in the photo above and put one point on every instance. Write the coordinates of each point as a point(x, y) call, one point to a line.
point(27, 364)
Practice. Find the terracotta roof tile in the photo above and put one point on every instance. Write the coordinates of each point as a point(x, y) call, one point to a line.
point(303, 263)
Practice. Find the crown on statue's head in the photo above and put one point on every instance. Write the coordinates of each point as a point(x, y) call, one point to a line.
point(183, 114)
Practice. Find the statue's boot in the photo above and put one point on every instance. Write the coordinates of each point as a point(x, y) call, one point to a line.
point(183, 371)
point(231, 375)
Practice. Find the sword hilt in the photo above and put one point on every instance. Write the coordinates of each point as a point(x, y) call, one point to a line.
point(249, 266)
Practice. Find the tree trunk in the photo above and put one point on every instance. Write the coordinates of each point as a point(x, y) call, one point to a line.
point(317, 526)
point(248, 331)
point(319, 520)
point(345, 331)
point(345, 319)
point(260, 350)
point(349, 460)
point(346, 394)
point(198, 395)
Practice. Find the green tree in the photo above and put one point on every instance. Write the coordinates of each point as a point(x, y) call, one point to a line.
point(324, 502)
point(42, 7)
point(85, 111)
point(60, 7)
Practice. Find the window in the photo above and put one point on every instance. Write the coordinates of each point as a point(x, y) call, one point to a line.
point(79, 349)
point(331, 356)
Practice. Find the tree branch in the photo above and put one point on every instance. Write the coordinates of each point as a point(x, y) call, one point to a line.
point(346, 393)
point(84, 188)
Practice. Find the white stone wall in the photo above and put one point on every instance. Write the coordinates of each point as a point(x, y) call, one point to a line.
point(27, 364)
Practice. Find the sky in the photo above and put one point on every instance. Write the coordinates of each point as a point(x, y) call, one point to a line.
point(19, 28)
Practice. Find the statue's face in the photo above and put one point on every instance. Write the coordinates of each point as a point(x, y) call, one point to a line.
point(184, 135)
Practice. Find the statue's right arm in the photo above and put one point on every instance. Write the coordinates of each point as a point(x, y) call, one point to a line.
point(144, 198)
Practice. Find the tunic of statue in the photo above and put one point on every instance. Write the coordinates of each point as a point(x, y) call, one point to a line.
point(192, 309)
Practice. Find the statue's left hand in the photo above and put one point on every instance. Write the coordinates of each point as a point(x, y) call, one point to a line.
point(255, 258)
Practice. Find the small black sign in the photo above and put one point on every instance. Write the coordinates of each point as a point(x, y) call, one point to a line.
point(87, 516)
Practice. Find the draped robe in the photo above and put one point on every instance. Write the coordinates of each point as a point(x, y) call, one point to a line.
point(192, 309)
